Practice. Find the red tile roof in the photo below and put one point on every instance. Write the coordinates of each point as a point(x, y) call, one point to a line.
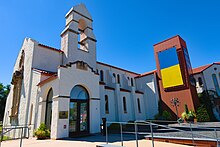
point(146, 74)
point(42, 71)
point(117, 68)
point(51, 78)
point(202, 68)
point(50, 48)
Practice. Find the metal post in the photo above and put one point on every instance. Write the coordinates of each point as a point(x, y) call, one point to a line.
point(216, 135)
point(192, 133)
point(136, 135)
point(106, 131)
point(121, 134)
point(152, 135)
point(21, 137)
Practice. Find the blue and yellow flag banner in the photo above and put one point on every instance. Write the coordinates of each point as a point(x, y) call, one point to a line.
point(170, 68)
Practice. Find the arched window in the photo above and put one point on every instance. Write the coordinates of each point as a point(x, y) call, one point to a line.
point(215, 81)
point(114, 77)
point(139, 105)
point(118, 78)
point(48, 115)
point(101, 76)
point(79, 93)
point(31, 113)
point(132, 82)
point(124, 105)
point(106, 105)
point(200, 81)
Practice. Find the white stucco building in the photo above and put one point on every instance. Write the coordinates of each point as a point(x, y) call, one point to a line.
point(69, 90)
point(207, 78)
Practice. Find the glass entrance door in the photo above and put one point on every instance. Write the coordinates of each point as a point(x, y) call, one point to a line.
point(78, 121)
point(79, 112)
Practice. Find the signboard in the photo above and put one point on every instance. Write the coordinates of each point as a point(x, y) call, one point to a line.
point(63, 114)
point(170, 68)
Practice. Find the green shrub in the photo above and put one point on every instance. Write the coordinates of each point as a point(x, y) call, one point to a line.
point(202, 114)
point(42, 132)
point(188, 115)
point(166, 115)
point(205, 99)
point(114, 126)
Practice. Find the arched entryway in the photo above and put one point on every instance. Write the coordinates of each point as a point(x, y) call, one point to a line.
point(79, 112)
point(48, 115)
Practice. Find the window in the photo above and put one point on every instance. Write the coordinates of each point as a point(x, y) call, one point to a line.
point(215, 81)
point(79, 92)
point(31, 113)
point(124, 105)
point(118, 77)
point(200, 81)
point(114, 77)
point(82, 36)
point(106, 105)
point(48, 115)
point(132, 82)
point(139, 105)
point(101, 76)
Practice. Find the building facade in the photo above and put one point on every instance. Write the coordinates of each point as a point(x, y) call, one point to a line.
point(207, 79)
point(175, 76)
point(69, 90)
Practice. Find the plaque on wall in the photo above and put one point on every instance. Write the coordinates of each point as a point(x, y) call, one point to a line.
point(63, 114)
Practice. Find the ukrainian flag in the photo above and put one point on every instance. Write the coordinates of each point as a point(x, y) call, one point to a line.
point(170, 68)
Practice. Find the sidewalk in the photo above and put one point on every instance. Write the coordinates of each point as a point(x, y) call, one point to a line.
point(90, 141)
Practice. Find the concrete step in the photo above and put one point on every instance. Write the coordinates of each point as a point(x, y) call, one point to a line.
point(108, 145)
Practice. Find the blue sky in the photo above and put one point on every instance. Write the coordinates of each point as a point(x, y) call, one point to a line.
point(126, 30)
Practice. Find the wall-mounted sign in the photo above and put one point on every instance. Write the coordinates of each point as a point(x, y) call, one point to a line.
point(170, 68)
point(63, 114)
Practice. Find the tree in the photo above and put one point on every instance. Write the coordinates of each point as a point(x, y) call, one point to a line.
point(205, 99)
point(4, 91)
point(202, 114)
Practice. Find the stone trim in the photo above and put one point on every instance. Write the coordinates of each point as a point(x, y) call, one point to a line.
point(95, 99)
point(89, 38)
point(124, 90)
point(61, 96)
point(73, 20)
point(79, 14)
point(110, 88)
point(101, 83)
point(139, 92)
point(68, 29)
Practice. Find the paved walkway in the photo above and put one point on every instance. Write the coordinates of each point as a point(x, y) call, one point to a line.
point(90, 141)
point(64, 143)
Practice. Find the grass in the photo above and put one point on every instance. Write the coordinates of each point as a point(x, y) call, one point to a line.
point(0, 128)
point(4, 137)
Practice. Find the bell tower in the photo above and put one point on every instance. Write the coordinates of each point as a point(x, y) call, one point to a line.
point(78, 41)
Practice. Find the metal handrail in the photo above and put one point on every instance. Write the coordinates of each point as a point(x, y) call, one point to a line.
point(147, 123)
point(8, 129)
